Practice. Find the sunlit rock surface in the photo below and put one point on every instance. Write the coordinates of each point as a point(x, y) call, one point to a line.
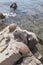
point(17, 44)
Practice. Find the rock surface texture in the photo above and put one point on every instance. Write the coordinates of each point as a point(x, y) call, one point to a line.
point(16, 47)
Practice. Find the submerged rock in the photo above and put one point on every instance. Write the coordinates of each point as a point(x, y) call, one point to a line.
point(2, 16)
point(14, 6)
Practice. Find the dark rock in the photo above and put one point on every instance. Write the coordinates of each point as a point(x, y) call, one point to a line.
point(31, 43)
point(2, 16)
point(28, 39)
point(14, 6)
point(21, 35)
point(19, 61)
point(1, 22)
point(41, 59)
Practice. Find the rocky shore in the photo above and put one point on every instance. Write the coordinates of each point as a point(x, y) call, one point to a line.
point(18, 47)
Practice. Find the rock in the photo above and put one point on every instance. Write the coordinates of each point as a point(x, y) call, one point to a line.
point(2, 16)
point(12, 27)
point(23, 49)
point(31, 43)
point(30, 61)
point(32, 39)
point(14, 6)
point(29, 39)
point(9, 54)
point(13, 51)
point(2, 24)
point(21, 35)
point(9, 59)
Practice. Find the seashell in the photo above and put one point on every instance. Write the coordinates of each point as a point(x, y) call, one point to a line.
point(12, 27)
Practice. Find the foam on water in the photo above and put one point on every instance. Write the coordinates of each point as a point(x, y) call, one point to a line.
point(9, 14)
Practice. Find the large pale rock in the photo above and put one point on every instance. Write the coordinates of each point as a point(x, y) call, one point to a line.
point(11, 50)
point(9, 54)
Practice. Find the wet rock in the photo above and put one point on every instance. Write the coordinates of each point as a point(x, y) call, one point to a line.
point(14, 6)
point(2, 16)
point(1, 22)
point(12, 27)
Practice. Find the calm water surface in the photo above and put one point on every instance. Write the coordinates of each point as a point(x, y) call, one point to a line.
point(28, 15)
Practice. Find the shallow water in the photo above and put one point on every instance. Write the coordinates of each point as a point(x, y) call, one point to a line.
point(28, 15)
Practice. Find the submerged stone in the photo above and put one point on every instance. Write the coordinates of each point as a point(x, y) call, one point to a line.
point(14, 6)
